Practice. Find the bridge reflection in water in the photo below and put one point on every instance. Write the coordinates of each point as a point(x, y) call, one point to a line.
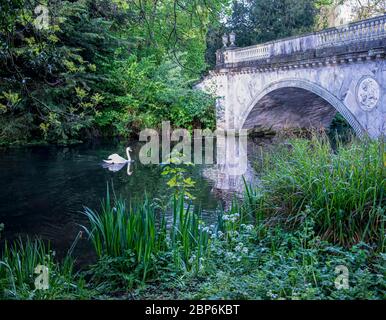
point(233, 167)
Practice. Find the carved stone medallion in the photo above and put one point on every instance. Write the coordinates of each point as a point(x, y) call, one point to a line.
point(368, 93)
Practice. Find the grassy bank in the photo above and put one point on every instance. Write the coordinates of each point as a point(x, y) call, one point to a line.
point(318, 213)
point(343, 190)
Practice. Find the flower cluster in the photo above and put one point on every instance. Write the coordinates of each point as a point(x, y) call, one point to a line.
point(241, 248)
point(201, 261)
point(231, 217)
point(272, 295)
point(247, 227)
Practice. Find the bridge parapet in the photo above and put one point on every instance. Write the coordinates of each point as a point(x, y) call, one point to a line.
point(352, 37)
point(366, 30)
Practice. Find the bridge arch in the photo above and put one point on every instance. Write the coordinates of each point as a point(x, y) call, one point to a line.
point(310, 87)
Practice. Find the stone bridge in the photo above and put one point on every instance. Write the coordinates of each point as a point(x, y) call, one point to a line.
point(302, 82)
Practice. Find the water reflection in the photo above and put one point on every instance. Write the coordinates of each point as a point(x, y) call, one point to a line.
point(233, 168)
point(118, 167)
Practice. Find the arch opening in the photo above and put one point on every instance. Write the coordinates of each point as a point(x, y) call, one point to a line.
point(295, 104)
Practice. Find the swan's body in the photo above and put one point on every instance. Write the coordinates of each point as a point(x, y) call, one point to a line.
point(117, 159)
point(118, 167)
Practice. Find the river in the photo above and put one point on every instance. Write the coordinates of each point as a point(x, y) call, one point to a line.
point(45, 188)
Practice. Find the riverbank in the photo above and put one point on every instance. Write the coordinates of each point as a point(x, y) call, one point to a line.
point(313, 230)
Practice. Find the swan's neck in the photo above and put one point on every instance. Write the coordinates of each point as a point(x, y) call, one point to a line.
point(128, 154)
point(129, 173)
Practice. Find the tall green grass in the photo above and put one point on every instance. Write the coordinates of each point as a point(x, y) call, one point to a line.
point(17, 271)
point(189, 238)
point(343, 189)
point(137, 228)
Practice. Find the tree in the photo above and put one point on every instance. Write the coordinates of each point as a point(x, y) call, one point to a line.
point(275, 19)
point(258, 21)
point(338, 12)
point(64, 81)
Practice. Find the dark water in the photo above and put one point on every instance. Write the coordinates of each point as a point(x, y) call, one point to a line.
point(44, 189)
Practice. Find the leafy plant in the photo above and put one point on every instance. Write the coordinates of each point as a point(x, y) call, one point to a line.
point(178, 182)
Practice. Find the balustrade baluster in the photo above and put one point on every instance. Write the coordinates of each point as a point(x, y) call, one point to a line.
point(376, 29)
point(352, 34)
point(368, 31)
point(372, 31)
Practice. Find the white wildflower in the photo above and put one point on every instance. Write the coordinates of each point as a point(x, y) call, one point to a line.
point(192, 259)
point(205, 229)
point(249, 227)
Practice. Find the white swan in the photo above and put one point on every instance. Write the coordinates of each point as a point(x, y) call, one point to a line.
point(117, 159)
point(118, 167)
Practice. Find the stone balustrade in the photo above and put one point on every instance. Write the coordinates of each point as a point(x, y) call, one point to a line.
point(359, 32)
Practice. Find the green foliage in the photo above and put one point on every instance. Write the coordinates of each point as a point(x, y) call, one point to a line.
point(178, 182)
point(51, 71)
point(97, 68)
point(340, 130)
point(284, 265)
point(17, 273)
point(264, 261)
point(135, 240)
point(344, 191)
point(143, 93)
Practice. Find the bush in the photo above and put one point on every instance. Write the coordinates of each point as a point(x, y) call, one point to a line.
point(141, 93)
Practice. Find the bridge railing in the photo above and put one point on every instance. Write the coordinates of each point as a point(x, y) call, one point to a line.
point(366, 30)
point(362, 31)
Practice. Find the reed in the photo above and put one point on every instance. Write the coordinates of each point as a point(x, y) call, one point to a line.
point(137, 228)
point(17, 271)
point(20, 260)
point(343, 189)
